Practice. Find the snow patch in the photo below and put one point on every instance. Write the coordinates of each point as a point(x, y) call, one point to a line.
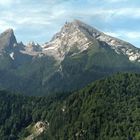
point(12, 55)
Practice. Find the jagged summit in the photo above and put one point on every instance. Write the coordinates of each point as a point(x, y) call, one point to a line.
point(7, 40)
point(8, 31)
point(32, 43)
point(32, 46)
point(85, 26)
point(77, 21)
point(77, 25)
point(72, 35)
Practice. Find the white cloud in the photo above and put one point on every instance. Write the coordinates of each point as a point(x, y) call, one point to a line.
point(129, 35)
point(8, 2)
point(132, 34)
point(129, 12)
point(115, 1)
point(46, 15)
point(114, 34)
point(5, 2)
point(5, 25)
point(118, 12)
point(132, 37)
point(32, 21)
point(34, 17)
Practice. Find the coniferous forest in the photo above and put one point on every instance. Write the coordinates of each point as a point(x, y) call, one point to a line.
point(107, 109)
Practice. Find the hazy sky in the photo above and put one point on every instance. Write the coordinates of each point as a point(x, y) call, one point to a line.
point(38, 20)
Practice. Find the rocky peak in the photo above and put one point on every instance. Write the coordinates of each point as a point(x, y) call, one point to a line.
point(72, 35)
point(32, 43)
point(7, 40)
point(31, 49)
point(86, 28)
point(34, 46)
point(21, 45)
point(8, 31)
point(77, 26)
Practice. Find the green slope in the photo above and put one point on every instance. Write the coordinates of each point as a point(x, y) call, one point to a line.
point(97, 62)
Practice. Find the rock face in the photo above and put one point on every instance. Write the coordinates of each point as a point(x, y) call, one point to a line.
point(75, 57)
point(72, 35)
point(38, 129)
point(121, 47)
point(32, 49)
point(7, 40)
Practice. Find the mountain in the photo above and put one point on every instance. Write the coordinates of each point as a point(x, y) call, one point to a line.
point(107, 109)
point(7, 40)
point(76, 56)
point(81, 36)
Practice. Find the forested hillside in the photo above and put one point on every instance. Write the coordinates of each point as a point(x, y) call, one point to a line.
point(108, 109)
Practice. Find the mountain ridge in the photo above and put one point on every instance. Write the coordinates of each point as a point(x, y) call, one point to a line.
point(83, 35)
point(76, 56)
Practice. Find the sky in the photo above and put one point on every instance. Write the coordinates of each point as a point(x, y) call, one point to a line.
point(39, 20)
